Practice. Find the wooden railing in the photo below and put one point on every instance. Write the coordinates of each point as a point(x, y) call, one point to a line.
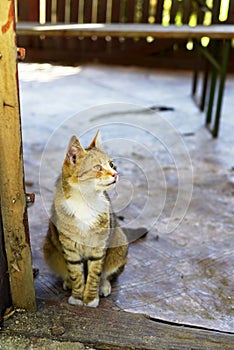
point(147, 51)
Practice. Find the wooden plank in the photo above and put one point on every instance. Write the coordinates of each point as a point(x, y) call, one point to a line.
point(173, 11)
point(48, 10)
point(74, 11)
point(187, 10)
point(12, 193)
point(159, 11)
point(230, 19)
point(115, 13)
point(88, 5)
point(130, 11)
point(200, 14)
point(101, 43)
point(61, 10)
point(87, 18)
point(129, 18)
point(145, 11)
point(215, 11)
point(74, 18)
point(48, 42)
point(139, 30)
point(107, 329)
point(101, 11)
point(60, 18)
point(115, 18)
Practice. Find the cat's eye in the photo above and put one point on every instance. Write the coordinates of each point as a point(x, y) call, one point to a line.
point(112, 165)
point(98, 167)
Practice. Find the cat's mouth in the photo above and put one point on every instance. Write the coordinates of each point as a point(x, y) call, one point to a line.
point(111, 183)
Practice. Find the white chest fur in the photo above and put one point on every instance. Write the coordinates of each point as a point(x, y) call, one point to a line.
point(86, 208)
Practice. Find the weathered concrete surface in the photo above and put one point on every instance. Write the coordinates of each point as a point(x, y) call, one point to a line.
point(185, 274)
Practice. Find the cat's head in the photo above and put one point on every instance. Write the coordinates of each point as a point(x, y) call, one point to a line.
point(89, 168)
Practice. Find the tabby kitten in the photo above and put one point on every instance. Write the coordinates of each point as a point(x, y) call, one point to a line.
point(83, 244)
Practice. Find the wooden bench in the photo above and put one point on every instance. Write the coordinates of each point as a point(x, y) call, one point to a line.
point(221, 34)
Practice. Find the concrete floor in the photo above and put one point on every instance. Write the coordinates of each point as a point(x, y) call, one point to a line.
point(176, 181)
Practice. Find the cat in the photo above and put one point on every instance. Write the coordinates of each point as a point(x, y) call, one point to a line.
point(84, 245)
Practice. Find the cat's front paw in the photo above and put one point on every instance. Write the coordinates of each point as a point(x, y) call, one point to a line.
point(93, 303)
point(74, 301)
point(105, 288)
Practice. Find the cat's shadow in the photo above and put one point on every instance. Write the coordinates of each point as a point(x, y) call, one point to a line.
point(133, 234)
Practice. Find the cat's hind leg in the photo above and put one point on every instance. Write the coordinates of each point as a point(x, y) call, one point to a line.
point(56, 262)
point(53, 256)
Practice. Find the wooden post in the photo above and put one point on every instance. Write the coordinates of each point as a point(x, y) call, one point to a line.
point(12, 192)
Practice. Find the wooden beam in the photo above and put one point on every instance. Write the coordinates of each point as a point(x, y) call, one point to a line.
point(140, 30)
point(116, 330)
point(12, 192)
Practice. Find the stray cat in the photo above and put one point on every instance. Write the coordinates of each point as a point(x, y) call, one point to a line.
point(83, 244)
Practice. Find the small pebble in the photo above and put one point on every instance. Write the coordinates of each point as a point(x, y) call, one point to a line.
point(57, 330)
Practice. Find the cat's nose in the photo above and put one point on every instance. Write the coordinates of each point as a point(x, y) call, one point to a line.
point(115, 176)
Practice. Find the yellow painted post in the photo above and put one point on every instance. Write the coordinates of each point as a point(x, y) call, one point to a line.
point(12, 191)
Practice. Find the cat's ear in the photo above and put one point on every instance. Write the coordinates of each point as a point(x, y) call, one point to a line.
point(74, 150)
point(96, 142)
